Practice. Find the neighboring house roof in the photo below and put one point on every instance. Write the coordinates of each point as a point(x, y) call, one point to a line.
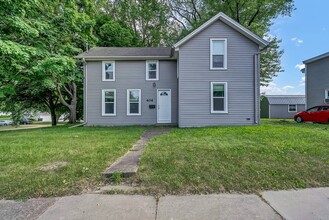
point(322, 56)
point(286, 99)
point(230, 22)
point(128, 52)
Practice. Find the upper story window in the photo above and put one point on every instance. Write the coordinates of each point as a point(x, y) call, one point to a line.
point(152, 70)
point(108, 71)
point(292, 108)
point(218, 97)
point(218, 53)
point(108, 102)
point(133, 102)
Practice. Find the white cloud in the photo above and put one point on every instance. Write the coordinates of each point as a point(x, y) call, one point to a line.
point(302, 81)
point(297, 41)
point(269, 36)
point(287, 87)
point(273, 89)
point(300, 66)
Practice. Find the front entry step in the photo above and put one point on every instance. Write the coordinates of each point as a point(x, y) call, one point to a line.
point(127, 165)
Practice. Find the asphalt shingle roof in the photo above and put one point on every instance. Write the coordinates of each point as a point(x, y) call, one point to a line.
point(127, 52)
point(286, 99)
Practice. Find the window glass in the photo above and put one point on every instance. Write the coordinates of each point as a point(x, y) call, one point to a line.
point(218, 61)
point(218, 97)
point(292, 108)
point(134, 102)
point(108, 71)
point(218, 47)
point(313, 109)
point(109, 102)
point(218, 53)
point(152, 70)
point(218, 90)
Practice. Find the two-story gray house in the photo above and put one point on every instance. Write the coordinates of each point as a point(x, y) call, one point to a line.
point(317, 80)
point(209, 78)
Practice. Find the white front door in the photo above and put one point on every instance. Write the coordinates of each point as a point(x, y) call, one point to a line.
point(164, 106)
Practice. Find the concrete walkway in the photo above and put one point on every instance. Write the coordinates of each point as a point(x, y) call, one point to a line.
point(301, 204)
point(127, 165)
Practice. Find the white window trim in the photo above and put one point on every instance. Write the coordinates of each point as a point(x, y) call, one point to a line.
point(295, 108)
point(225, 54)
point(103, 102)
point(139, 106)
point(147, 70)
point(103, 70)
point(225, 97)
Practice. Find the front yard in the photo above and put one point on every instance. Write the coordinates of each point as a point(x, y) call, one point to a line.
point(28, 159)
point(276, 155)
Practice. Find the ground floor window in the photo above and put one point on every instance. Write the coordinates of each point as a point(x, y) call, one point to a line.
point(292, 108)
point(133, 102)
point(218, 97)
point(108, 102)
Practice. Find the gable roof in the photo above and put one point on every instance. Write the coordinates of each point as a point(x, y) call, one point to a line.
point(322, 56)
point(230, 22)
point(127, 52)
point(286, 99)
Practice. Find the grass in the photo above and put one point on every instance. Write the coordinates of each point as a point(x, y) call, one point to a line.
point(86, 150)
point(276, 155)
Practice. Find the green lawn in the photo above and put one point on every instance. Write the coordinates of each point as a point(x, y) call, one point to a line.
point(87, 151)
point(276, 155)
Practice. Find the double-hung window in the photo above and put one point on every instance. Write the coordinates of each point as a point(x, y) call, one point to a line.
point(108, 71)
point(152, 70)
point(326, 95)
point(292, 108)
point(218, 53)
point(133, 102)
point(219, 97)
point(108, 102)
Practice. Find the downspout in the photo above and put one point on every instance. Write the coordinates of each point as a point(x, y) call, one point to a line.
point(85, 92)
point(256, 85)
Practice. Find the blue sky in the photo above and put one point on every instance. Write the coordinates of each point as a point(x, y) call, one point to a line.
point(304, 35)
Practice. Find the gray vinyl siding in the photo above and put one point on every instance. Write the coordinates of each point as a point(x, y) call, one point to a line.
point(281, 111)
point(129, 75)
point(195, 78)
point(317, 81)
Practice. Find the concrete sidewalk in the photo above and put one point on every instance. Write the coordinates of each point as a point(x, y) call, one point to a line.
point(301, 204)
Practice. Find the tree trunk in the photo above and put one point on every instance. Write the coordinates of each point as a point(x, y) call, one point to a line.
point(73, 104)
point(52, 108)
point(73, 112)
